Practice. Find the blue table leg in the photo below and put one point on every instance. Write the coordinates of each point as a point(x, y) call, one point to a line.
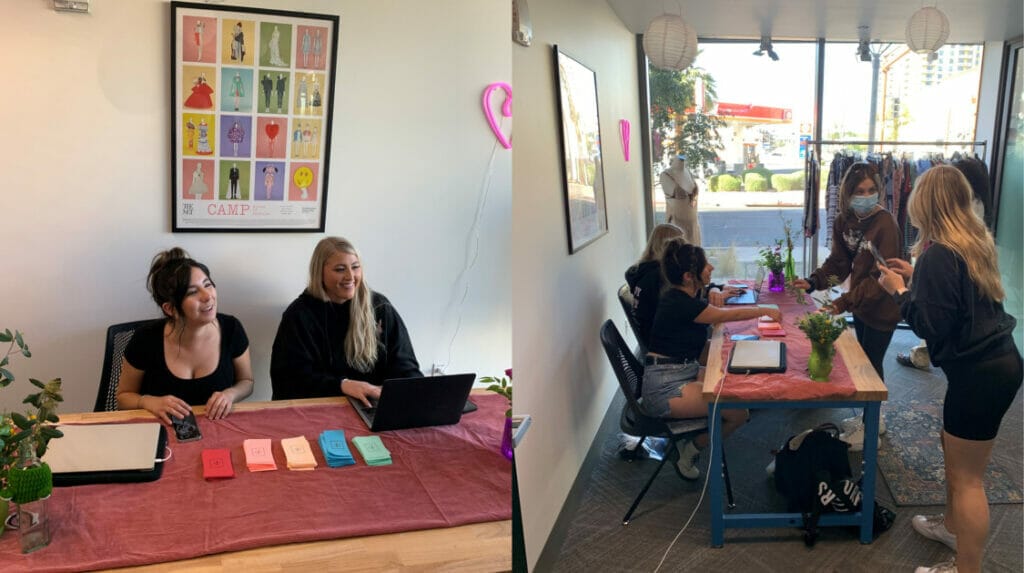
point(715, 477)
point(871, 416)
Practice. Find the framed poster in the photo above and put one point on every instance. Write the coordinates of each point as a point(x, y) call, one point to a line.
point(585, 216)
point(252, 100)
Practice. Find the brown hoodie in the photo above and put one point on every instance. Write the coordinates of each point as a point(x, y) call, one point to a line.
point(851, 257)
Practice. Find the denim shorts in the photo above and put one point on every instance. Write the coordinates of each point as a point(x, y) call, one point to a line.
point(664, 381)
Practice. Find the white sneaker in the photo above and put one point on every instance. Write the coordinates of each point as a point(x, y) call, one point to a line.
point(686, 466)
point(934, 527)
point(770, 468)
point(852, 423)
point(856, 439)
point(944, 567)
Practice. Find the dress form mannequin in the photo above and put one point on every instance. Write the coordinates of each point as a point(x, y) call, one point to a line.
point(681, 198)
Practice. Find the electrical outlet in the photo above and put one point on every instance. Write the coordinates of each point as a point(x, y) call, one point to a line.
point(436, 369)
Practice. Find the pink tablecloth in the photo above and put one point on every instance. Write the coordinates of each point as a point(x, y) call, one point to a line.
point(794, 383)
point(440, 477)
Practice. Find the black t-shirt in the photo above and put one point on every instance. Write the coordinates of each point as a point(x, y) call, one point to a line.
point(146, 352)
point(674, 332)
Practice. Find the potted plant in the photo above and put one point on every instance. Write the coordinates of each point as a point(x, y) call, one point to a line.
point(24, 478)
point(503, 386)
point(822, 329)
point(771, 259)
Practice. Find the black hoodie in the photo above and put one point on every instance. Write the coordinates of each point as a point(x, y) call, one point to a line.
point(308, 358)
point(644, 282)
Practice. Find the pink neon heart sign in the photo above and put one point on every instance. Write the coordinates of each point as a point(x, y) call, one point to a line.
point(506, 110)
point(624, 135)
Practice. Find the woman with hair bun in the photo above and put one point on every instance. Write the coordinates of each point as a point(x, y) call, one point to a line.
point(339, 337)
point(194, 356)
point(677, 339)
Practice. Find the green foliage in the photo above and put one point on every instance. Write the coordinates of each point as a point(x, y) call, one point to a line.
point(713, 183)
point(35, 426)
point(771, 257)
point(501, 386)
point(699, 139)
point(788, 181)
point(822, 327)
point(672, 94)
point(755, 182)
point(728, 182)
point(762, 171)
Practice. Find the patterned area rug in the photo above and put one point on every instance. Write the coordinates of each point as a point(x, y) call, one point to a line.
point(911, 458)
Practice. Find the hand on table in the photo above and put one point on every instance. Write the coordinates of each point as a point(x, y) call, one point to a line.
point(165, 406)
point(359, 390)
point(773, 313)
point(219, 405)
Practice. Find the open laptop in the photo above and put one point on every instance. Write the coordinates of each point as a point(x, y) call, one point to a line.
point(750, 295)
point(417, 402)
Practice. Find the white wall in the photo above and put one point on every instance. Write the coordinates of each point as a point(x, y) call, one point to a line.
point(988, 94)
point(86, 198)
point(559, 301)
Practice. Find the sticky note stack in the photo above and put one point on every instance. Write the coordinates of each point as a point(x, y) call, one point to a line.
point(298, 454)
point(372, 450)
point(217, 464)
point(771, 328)
point(335, 449)
point(258, 455)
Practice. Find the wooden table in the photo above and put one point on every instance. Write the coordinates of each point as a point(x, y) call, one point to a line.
point(474, 547)
point(871, 392)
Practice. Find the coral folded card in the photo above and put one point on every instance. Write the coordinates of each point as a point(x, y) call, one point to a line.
point(259, 457)
point(298, 453)
point(217, 464)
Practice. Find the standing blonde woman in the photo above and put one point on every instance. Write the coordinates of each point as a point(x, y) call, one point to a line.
point(955, 304)
point(339, 337)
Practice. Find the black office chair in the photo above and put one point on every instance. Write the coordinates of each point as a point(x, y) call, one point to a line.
point(627, 301)
point(629, 371)
point(118, 336)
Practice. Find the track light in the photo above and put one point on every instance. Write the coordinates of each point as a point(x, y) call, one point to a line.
point(766, 46)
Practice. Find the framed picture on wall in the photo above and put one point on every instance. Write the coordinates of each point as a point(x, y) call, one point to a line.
point(585, 215)
point(252, 109)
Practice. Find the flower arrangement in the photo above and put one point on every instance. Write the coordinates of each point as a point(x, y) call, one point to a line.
point(24, 437)
point(771, 257)
point(798, 294)
point(501, 386)
point(821, 327)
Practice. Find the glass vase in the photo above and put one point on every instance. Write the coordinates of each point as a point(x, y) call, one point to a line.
point(790, 267)
point(34, 525)
point(819, 364)
point(506, 439)
point(776, 281)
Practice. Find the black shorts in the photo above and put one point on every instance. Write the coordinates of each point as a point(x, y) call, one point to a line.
point(979, 394)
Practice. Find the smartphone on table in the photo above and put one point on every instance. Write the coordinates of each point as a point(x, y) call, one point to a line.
point(186, 429)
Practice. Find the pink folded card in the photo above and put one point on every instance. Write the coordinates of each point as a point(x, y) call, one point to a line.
point(259, 457)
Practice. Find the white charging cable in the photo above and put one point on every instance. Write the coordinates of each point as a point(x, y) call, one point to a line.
point(703, 490)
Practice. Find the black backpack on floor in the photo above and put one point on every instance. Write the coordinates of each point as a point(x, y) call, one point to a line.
point(812, 471)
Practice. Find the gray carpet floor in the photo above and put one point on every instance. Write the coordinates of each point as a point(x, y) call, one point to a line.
point(595, 539)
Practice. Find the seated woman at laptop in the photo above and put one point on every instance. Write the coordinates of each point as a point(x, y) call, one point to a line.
point(677, 339)
point(644, 280)
point(339, 337)
point(195, 356)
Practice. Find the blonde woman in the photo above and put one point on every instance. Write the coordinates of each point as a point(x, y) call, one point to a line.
point(339, 337)
point(955, 304)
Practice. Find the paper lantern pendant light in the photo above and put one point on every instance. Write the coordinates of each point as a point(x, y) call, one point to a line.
point(670, 43)
point(927, 30)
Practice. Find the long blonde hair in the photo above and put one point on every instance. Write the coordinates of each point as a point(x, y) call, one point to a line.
point(940, 206)
point(361, 338)
point(656, 242)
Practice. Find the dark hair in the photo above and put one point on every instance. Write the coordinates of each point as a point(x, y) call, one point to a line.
point(681, 257)
point(170, 274)
point(977, 175)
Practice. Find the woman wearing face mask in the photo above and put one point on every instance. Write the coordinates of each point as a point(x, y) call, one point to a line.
point(339, 337)
point(861, 222)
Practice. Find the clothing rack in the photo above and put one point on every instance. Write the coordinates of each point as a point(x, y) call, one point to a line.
point(812, 261)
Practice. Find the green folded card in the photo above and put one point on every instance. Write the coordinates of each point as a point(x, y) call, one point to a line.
point(372, 450)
